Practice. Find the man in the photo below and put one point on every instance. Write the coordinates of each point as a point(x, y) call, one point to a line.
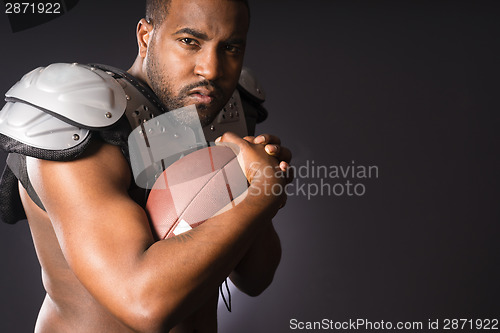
point(101, 266)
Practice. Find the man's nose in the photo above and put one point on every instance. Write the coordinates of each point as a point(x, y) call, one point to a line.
point(209, 64)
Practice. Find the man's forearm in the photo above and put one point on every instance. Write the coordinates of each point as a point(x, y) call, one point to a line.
point(199, 260)
point(255, 272)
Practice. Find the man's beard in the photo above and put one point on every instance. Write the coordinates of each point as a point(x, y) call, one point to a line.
point(160, 84)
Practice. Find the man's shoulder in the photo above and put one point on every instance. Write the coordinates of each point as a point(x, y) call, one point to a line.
point(60, 112)
point(55, 108)
point(101, 163)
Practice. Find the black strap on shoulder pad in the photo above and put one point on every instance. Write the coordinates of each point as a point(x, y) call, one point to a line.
point(11, 208)
point(143, 88)
point(17, 164)
point(255, 112)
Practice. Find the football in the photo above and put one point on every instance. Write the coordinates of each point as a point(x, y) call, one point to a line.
point(193, 189)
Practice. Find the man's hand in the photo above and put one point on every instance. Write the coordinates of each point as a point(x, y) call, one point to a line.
point(273, 147)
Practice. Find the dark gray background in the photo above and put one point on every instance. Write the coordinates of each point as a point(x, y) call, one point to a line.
point(408, 86)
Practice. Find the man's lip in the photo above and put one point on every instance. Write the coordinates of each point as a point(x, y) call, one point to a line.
point(203, 92)
point(203, 95)
point(201, 98)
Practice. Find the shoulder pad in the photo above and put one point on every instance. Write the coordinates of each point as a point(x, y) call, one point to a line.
point(38, 129)
point(77, 94)
point(249, 84)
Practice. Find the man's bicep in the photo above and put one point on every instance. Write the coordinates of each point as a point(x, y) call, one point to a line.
point(100, 230)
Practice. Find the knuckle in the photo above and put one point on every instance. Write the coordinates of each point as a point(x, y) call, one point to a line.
point(249, 138)
point(227, 134)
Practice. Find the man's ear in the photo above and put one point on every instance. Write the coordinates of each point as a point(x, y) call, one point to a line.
point(144, 30)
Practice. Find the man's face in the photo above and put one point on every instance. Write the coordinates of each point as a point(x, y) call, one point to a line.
point(196, 55)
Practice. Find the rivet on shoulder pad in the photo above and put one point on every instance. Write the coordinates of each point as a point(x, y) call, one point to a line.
point(76, 137)
point(108, 115)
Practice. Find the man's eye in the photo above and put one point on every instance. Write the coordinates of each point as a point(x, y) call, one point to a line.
point(189, 41)
point(232, 49)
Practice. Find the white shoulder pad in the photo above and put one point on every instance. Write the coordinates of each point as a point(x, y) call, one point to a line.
point(38, 129)
point(81, 95)
point(250, 84)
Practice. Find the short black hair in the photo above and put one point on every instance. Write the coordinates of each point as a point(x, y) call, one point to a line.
point(157, 10)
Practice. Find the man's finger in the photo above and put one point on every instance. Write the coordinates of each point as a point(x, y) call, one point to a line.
point(288, 172)
point(273, 150)
point(232, 141)
point(267, 139)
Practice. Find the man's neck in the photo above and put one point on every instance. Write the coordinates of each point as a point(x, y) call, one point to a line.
point(137, 70)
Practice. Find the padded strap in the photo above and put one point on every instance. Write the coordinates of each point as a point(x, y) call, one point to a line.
point(17, 164)
point(11, 208)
